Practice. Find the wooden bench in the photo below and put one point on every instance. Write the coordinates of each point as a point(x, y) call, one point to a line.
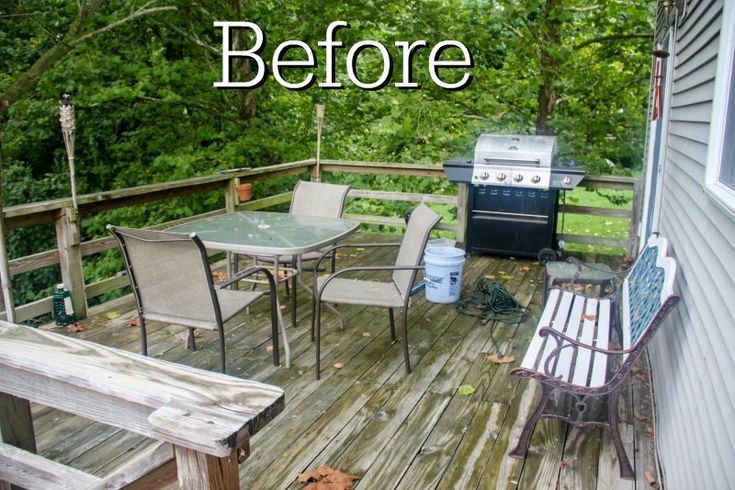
point(202, 419)
point(571, 350)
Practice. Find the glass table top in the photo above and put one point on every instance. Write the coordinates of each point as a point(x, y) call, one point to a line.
point(267, 233)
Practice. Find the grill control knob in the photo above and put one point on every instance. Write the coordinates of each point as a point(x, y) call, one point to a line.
point(518, 178)
point(535, 179)
point(484, 176)
point(566, 180)
point(501, 177)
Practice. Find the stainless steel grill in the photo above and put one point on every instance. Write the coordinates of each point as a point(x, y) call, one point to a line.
point(513, 202)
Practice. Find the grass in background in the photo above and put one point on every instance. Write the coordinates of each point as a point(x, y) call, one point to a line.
point(598, 226)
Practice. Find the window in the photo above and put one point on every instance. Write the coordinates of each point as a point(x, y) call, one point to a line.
point(721, 154)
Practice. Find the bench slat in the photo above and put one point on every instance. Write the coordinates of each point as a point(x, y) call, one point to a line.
point(31, 471)
point(559, 323)
point(564, 363)
point(529, 360)
point(599, 370)
point(582, 366)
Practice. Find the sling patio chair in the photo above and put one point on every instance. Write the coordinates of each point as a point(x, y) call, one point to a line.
point(310, 199)
point(394, 293)
point(172, 282)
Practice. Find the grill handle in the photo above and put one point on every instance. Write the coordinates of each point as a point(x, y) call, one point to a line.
point(512, 159)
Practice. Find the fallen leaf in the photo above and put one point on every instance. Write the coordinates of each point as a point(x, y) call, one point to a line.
point(651, 479)
point(361, 249)
point(495, 359)
point(111, 315)
point(134, 322)
point(327, 478)
point(563, 464)
point(159, 354)
point(502, 272)
point(466, 390)
point(590, 318)
point(219, 276)
point(491, 277)
point(639, 416)
point(635, 370)
point(525, 269)
point(197, 334)
point(367, 334)
point(269, 348)
point(506, 277)
point(579, 288)
point(338, 365)
point(74, 328)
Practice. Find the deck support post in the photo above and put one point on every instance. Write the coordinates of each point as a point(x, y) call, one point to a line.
point(463, 194)
point(199, 471)
point(70, 258)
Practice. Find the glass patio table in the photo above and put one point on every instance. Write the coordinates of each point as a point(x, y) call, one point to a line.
point(262, 233)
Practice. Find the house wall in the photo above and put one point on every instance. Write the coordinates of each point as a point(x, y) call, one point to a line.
point(693, 355)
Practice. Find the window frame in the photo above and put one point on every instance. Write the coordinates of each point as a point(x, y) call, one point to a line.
point(723, 111)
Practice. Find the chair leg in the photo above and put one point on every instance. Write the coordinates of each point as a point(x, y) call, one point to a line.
point(221, 330)
point(143, 339)
point(274, 327)
point(522, 447)
point(392, 325)
point(626, 471)
point(405, 340)
point(334, 261)
point(313, 314)
point(293, 294)
point(317, 334)
point(191, 342)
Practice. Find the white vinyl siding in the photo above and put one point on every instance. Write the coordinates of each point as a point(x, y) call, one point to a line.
point(692, 357)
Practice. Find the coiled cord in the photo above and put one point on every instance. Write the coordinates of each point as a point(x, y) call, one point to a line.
point(490, 301)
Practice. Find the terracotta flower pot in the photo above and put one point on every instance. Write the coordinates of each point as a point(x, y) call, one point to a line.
point(244, 191)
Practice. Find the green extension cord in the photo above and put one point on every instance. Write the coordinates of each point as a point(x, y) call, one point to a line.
point(490, 301)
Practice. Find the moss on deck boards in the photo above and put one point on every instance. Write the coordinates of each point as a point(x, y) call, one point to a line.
point(369, 418)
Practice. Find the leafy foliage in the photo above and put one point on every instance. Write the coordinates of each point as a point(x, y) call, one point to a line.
point(147, 111)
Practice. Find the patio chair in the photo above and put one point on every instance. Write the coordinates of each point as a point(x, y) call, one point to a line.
point(172, 282)
point(391, 294)
point(311, 199)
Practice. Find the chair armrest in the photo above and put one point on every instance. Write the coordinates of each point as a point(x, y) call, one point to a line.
point(365, 268)
point(351, 245)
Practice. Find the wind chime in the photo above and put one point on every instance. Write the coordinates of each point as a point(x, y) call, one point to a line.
point(660, 54)
point(68, 126)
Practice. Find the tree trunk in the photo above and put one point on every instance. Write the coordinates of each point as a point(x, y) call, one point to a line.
point(243, 69)
point(26, 81)
point(549, 64)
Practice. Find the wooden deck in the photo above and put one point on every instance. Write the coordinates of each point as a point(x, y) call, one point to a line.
point(369, 418)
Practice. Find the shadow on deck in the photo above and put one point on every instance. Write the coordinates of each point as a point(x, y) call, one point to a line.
point(368, 418)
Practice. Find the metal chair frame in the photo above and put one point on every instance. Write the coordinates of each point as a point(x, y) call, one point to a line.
point(120, 235)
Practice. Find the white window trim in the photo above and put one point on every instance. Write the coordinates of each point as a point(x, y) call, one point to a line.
point(720, 192)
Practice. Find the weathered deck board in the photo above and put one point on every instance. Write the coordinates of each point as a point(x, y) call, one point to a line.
point(369, 417)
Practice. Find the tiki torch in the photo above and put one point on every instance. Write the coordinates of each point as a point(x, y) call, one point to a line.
point(319, 121)
point(66, 117)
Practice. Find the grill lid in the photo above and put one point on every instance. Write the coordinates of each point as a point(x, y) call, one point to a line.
point(526, 150)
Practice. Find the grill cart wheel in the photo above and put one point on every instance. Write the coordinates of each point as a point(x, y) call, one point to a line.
point(546, 255)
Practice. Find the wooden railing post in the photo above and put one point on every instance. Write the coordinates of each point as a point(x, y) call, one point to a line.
point(635, 218)
point(70, 258)
point(16, 427)
point(231, 199)
point(463, 194)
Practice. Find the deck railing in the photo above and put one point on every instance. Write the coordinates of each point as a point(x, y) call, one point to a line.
point(71, 250)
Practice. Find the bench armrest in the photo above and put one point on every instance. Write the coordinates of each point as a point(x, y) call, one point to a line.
point(559, 337)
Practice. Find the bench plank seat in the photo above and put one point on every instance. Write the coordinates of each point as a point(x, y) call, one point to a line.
point(198, 411)
point(570, 349)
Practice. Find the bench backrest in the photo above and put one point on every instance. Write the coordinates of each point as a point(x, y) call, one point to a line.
point(648, 287)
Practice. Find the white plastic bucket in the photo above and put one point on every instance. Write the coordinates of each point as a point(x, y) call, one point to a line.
point(443, 273)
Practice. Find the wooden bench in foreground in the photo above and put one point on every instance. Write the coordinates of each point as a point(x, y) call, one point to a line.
point(571, 352)
point(202, 418)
